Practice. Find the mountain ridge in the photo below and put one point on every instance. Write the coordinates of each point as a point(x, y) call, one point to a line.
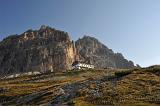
point(48, 49)
point(95, 48)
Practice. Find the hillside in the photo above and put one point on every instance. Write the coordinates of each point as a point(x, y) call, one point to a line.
point(137, 87)
point(48, 49)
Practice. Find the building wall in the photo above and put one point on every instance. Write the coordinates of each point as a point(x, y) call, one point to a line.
point(81, 65)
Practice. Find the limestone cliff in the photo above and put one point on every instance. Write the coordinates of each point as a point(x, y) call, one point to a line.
point(46, 49)
point(93, 52)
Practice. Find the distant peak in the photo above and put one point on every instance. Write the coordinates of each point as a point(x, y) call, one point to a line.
point(87, 37)
point(43, 27)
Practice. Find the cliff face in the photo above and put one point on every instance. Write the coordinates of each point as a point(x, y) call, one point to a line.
point(93, 52)
point(48, 49)
point(42, 50)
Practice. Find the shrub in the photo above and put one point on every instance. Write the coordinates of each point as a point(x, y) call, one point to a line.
point(154, 70)
point(123, 73)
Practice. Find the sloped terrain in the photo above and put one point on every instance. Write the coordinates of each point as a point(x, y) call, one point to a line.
point(139, 87)
point(136, 87)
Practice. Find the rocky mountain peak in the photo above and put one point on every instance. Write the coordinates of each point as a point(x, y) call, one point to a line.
point(48, 49)
point(94, 52)
point(44, 27)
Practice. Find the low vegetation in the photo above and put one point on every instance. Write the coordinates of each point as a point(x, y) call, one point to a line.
point(137, 87)
point(123, 73)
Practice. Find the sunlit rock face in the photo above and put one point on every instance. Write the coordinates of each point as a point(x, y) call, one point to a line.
point(93, 52)
point(46, 49)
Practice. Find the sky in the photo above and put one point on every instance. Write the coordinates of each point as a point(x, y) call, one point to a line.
point(131, 27)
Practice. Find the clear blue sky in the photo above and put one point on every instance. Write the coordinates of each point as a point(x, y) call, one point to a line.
point(131, 27)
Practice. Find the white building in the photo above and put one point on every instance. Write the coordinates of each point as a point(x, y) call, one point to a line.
point(82, 66)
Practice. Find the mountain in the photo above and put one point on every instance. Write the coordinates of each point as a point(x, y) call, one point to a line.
point(48, 49)
point(94, 52)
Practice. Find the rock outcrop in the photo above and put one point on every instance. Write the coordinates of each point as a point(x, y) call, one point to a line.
point(48, 49)
point(93, 52)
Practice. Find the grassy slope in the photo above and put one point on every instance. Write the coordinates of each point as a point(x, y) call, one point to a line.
point(136, 87)
point(140, 87)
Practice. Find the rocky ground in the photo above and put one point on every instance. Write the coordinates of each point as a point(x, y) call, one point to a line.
point(139, 87)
